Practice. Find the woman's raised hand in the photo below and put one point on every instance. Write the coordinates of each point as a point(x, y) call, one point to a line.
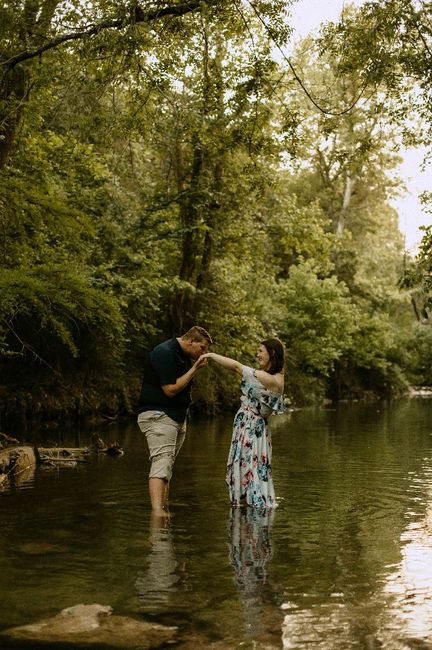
point(201, 361)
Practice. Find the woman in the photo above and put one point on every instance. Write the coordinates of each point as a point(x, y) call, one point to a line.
point(249, 475)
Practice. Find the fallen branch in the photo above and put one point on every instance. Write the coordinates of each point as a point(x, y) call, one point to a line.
point(15, 460)
point(138, 16)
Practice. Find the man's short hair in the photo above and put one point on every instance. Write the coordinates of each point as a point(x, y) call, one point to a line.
point(197, 333)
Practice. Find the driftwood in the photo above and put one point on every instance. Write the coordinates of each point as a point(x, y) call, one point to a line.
point(17, 458)
point(99, 445)
point(62, 455)
point(15, 461)
point(6, 441)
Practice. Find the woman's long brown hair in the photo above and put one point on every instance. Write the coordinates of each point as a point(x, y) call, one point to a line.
point(276, 353)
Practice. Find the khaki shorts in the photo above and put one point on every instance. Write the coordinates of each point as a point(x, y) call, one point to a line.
point(164, 438)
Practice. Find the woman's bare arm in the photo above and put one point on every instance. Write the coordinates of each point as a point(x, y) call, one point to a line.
point(171, 390)
point(225, 362)
point(274, 383)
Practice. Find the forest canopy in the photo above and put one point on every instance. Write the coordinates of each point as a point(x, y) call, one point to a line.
point(167, 163)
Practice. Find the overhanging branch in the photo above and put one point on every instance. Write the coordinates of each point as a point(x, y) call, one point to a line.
point(137, 16)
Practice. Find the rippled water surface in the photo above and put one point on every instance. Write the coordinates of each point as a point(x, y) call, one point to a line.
point(344, 562)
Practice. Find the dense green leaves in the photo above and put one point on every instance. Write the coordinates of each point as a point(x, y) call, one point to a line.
point(71, 314)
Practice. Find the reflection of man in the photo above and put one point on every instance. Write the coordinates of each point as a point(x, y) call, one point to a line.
point(164, 402)
point(158, 582)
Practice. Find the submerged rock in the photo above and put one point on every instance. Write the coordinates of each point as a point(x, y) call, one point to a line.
point(41, 548)
point(94, 624)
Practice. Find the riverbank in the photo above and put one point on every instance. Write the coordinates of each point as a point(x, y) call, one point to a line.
point(24, 411)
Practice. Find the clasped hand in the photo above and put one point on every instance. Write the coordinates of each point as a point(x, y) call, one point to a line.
point(201, 361)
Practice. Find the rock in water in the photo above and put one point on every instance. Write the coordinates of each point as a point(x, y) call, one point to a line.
point(94, 624)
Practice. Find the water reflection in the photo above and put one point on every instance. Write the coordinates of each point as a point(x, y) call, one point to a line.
point(250, 550)
point(410, 585)
point(158, 582)
point(348, 553)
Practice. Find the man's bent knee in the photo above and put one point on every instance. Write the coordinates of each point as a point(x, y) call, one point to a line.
point(162, 466)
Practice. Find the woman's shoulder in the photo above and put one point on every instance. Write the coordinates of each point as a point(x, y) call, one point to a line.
point(248, 372)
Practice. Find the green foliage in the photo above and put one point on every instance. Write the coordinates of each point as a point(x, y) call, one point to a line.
point(420, 355)
point(161, 174)
point(318, 323)
point(74, 319)
point(417, 281)
point(374, 362)
point(417, 278)
point(388, 44)
point(423, 267)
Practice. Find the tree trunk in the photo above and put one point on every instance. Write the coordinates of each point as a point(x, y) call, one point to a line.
point(216, 189)
point(200, 205)
point(14, 92)
point(349, 184)
point(190, 215)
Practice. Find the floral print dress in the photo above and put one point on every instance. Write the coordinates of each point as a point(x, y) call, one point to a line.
point(249, 475)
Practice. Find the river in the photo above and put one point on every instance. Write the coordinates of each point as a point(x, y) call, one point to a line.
point(344, 562)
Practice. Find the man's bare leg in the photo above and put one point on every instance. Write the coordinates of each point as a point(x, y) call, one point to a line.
point(158, 493)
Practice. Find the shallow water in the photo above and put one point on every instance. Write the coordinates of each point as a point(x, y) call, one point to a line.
point(345, 561)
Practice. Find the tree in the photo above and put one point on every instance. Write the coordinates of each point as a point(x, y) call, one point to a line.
point(33, 28)
point(319, 321)
point(343, 166)
point(389, 45)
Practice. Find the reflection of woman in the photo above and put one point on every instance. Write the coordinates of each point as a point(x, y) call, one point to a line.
point(250, 545)
point(250, 551)
point(249, 474)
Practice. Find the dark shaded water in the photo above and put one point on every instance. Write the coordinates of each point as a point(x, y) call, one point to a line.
point(344, 562)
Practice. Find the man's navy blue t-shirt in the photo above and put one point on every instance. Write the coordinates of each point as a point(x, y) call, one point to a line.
point(164, 365)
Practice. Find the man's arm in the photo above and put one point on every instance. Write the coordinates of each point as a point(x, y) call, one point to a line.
point(171, 390)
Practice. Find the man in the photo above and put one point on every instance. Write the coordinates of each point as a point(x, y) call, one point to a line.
point(164, 401)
